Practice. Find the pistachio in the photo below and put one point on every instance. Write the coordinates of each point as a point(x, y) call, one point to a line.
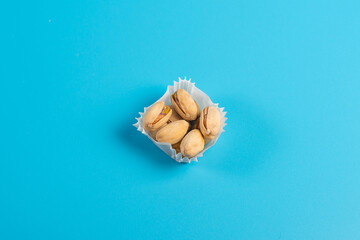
point(173, 132)
point(210, 122)
point(174, 116)
point(156, 116)
point(185, 105)
point(192, 144)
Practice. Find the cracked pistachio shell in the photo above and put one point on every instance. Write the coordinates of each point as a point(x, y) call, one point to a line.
point(173, 132)
point(156, 116)
point(174, 116)
point(185, 105)
point(192, 144)
point(210, 120)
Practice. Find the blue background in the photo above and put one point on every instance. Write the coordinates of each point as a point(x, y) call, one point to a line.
point(74, 74)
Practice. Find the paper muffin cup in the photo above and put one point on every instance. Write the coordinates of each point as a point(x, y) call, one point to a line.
point(202, 99)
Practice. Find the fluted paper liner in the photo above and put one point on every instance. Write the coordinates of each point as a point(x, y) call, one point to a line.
point(202, 99)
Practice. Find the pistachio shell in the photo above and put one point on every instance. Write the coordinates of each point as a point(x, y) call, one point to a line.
point(185, 105)
point(173, 132)
point(174, 116)
point(156, 116)
point(210, 120)
point(192, 144)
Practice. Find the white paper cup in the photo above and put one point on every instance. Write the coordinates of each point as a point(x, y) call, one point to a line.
point(202, 99)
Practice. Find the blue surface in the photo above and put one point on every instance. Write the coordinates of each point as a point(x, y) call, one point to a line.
point(74, 74)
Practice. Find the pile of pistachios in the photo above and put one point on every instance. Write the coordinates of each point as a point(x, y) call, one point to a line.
point(182, 124)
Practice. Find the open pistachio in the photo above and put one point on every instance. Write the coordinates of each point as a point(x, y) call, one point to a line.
point(174, 116)
point(156, 116)
point(192, 144)
point(210, 122)
point(185, 105)
point(173, 132)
